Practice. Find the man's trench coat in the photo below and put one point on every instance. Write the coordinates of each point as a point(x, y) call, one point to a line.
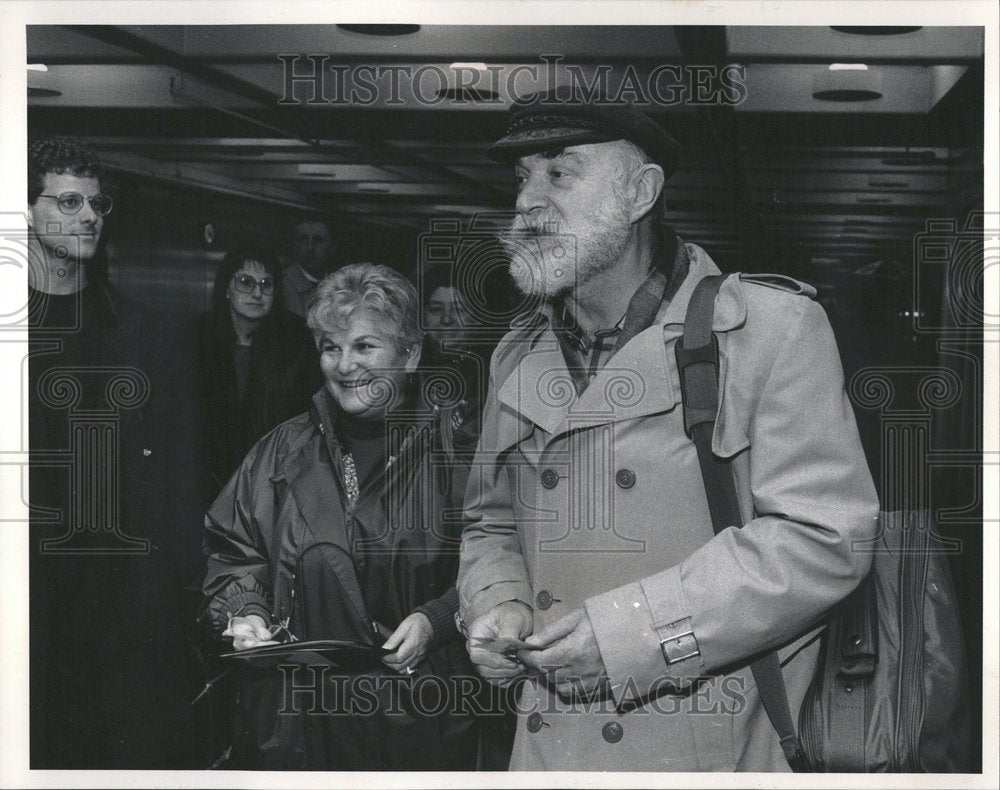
point(597, 501)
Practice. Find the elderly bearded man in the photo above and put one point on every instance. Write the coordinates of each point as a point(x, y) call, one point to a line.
point(590, 534)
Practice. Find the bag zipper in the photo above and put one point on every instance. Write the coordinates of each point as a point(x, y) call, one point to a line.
point(910, 691)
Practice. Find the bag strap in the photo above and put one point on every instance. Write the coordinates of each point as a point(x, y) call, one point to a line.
point(698, 362)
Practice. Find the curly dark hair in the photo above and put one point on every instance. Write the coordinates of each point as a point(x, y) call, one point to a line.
point(59, 155)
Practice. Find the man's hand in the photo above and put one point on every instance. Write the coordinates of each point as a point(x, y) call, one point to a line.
point(409, 643)
point(571, 659)
point(508, 620)
point(248, 632)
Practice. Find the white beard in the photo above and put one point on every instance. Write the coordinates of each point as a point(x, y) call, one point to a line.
point(556, 261)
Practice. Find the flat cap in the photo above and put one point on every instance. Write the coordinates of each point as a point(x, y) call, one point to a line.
point(562, 117)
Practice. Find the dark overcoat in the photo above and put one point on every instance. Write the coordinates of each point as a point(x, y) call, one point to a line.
point(284, 541)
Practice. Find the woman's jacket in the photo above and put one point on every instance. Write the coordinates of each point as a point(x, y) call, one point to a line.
point(283, 542)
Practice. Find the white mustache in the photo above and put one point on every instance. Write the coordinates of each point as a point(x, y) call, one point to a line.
point(519, 229)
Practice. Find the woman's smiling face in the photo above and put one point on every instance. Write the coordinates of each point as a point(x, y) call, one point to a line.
point(364, 367)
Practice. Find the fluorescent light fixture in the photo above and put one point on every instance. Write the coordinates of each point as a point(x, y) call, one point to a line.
point(37, 67)
point(476, 66)
point(317, 170)
point(848, 67)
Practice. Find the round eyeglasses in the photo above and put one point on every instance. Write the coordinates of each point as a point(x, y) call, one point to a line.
point(72, 202)
point(245, 283)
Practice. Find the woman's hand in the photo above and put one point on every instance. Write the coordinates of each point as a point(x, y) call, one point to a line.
point(409, 643)
point(247, 632)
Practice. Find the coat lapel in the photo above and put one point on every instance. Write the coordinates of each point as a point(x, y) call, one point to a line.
point(540, 388)
point(636, 382)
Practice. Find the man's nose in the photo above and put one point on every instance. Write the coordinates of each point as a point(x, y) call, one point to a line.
point(87, 213)
point(447, 316)
point(531, 195)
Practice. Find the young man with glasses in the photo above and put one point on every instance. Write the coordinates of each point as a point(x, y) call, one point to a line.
point(66, 216)
point(112, 537)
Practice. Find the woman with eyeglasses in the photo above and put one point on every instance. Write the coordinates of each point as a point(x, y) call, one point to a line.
point(345, 523)
point(258, 361)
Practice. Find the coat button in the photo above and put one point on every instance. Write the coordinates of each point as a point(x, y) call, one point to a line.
point(625, 478)
point(550, 478)
point(612, 732)
point(544, 599)
point(534, 722)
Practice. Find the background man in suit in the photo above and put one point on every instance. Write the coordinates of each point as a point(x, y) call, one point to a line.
point(314, 248)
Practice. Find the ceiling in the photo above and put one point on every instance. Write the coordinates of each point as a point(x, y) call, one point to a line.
point(767, 168)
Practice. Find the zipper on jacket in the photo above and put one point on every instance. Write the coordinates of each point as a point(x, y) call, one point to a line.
point(910, 691)
point(811, 714)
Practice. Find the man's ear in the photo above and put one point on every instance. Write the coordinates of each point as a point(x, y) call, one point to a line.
point(647, 184)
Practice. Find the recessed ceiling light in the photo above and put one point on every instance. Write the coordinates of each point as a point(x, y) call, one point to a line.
point(469, 94)
point(847, 86)
point(848, 67)
point(875, 30)
point(381, 30)
point(37, 67)
point(475, 66)
point(846, 94)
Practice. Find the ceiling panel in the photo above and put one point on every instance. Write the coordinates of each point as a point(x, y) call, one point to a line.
point(834, 184)
point(788, 42)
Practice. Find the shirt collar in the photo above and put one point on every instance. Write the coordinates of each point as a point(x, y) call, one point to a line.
point(309, 277)
point(669, 269)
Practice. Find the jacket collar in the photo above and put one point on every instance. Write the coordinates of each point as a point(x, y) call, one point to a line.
point(303, 280)
point(636, 381)
point(322, 412)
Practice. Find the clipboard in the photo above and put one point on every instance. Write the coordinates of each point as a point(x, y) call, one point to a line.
point(337, 653)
